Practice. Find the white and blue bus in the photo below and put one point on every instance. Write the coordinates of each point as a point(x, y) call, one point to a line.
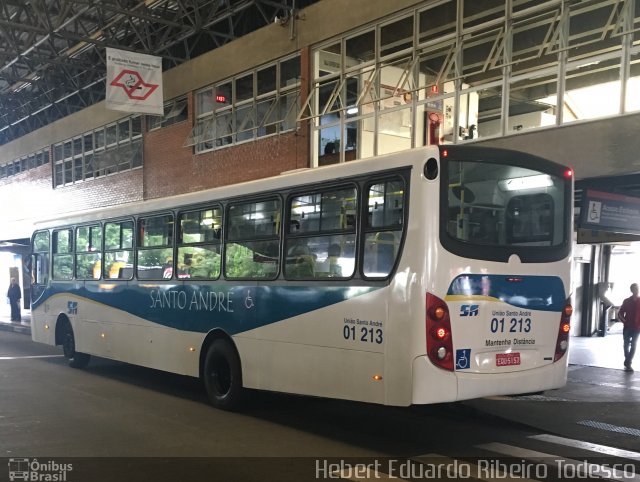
point(437, 274)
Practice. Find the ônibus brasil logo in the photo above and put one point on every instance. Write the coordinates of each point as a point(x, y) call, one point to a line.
point(33, 470)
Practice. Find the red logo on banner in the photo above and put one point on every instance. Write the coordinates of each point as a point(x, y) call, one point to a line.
point(133, 85)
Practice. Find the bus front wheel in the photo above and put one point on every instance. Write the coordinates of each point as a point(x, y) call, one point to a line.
point(76, 359)
point(223, 375)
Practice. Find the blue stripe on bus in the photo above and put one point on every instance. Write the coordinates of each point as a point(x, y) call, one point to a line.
point(200, 308)
point(544, 293)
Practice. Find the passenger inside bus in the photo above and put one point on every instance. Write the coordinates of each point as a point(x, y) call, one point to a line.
point(300, 262)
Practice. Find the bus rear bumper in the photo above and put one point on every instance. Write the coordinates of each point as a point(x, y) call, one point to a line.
point(434, 385)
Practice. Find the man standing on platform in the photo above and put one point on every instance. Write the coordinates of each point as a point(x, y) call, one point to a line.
point(629, 315)
point(14, 294)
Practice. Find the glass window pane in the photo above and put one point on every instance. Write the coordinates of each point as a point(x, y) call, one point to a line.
point(632, 101)
point(492, 204)
point(223, 95)
point(88, 166)
point(57, 172)
point(266, 80)
point(289, 106)
point(361, 48)
point(290, 72)
point(245, 122)
point(484, 109)
point(204, 102)
point(68, 172)
point(396, 36)
point(57, 152)
point(531, 47)
point(483, 56)
point(62, 266)
point(394, 130)
point(99, 138)
point(88, 142)
point(124, 131)
point(532, 103)
point(62, 241)
point(328, 211)
point(252, 220)
point(77, 146)
point(386, 204)
point(41, 242)
point(112, 134)
point(476, 12)
point(380, 253)
point(244, 88)
point(592, 89)
point(62, 257)
point(155, 263)
point(88, 265)
point(118, 235)
point(252, 259)
point(435, 72)
point(203, 226)
point(199, 262)
point(118, 264)
point(330, 256)
point(328, 60)
point(77, 169)
point(437, 22)
point(136, 126)
point(589, 32)
point(156, 231)
point(223, 128)
point(68, 150)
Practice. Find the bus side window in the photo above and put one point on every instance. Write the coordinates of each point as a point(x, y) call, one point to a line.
point(199, 236)
point(118, 249)
point(384, 230)
point(40, 263)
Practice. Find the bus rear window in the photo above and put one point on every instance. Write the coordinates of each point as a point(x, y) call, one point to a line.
point(504, 205)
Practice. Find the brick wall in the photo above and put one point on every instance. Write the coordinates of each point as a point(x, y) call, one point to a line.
point(171, 168)
point(29, 196)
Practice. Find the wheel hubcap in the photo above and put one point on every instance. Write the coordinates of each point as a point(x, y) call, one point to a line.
point(220, 376)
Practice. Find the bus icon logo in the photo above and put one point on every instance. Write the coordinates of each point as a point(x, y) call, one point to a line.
point(18, 469)
point(72, 307)
point(469, 310)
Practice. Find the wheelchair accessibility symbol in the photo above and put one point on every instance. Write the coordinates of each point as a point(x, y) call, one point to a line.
point(248, 301)
point(595, 208)
point(463, 359)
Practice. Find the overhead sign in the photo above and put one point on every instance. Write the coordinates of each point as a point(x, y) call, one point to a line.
point(605, 211)
point(134, 82)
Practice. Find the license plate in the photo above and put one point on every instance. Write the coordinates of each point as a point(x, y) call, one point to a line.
point(507, 359)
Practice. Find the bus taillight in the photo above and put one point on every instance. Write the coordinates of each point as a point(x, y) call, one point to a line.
point(563, 332)
point(439, 341)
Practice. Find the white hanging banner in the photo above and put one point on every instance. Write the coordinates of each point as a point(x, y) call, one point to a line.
point(134, 82)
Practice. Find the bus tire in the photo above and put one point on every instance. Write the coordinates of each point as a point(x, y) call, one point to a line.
point(222, 375)
point(76, 359)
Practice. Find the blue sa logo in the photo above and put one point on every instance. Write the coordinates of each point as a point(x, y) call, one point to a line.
point(72, 307)
point(469, 310)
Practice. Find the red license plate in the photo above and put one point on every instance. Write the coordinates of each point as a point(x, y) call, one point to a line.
point(507, 359)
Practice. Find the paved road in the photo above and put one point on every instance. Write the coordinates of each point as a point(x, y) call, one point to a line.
point(114, 421)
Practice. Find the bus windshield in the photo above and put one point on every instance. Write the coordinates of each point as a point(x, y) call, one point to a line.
point(501, 205)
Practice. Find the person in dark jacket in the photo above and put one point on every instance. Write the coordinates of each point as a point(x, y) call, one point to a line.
point(14, 294)
point(629, 315)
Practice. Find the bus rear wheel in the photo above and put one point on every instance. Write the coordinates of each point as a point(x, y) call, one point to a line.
point(222, 375)
point(76, 359)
